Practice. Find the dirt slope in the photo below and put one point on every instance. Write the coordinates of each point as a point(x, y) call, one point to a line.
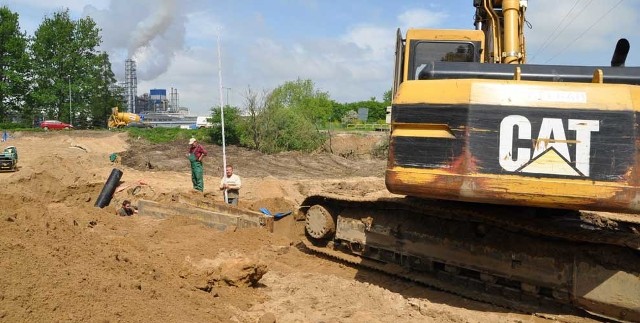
point(62, 259)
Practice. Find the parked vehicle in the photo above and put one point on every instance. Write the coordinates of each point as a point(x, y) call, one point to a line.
point(122, 119)
point(9, 159)
point(54, 125)
point(203, 122)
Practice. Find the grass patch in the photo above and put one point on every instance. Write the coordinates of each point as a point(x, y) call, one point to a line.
point(162, 135)
point(17, 127)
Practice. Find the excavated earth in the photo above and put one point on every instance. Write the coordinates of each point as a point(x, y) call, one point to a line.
point(63, 259)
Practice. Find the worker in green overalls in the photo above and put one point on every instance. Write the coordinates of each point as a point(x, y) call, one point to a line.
point(196, 153)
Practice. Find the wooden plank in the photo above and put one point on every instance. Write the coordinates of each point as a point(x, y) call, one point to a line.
point(219, 217)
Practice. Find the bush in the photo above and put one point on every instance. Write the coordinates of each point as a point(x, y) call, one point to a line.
point(286, 130)
point(381, 150)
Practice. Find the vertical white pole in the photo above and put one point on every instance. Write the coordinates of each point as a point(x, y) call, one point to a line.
point(70, 115)
point(224, 152)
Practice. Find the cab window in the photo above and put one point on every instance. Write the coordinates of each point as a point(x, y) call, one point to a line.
point(425, 52)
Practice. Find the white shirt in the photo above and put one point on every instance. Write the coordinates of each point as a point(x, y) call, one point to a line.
point(234, 183)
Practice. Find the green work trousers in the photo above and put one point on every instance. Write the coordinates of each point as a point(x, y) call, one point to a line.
point(197, 173)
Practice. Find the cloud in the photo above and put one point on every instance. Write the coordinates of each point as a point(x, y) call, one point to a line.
point(421, 18)
point(346, 67)
point(54, 5)
point(376, 42)
point(561, 36)
point(202, 27)
point(194, 75)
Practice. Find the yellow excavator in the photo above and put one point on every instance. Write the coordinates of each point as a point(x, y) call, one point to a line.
point(519, 184)
point(121, 119)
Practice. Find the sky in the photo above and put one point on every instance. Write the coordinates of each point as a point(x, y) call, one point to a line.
point(346, 47)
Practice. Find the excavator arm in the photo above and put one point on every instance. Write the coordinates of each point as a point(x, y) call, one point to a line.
point(502, 21)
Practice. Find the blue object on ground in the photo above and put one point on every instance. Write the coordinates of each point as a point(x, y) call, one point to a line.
point(277, 215)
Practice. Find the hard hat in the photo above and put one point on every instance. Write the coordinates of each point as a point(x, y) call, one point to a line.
point(191, 141)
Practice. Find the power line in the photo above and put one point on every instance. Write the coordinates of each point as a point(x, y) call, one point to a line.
point(569, 24)
point(546, 41)
point(585, 31)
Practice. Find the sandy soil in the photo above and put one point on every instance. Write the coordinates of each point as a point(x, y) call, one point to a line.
point(62, 259)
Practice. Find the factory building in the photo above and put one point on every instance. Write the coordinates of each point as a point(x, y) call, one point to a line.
point(156, 107)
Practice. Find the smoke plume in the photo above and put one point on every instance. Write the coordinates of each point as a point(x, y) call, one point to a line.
point(150, 32)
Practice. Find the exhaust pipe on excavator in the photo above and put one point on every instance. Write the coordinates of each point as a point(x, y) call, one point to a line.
point(620, 53)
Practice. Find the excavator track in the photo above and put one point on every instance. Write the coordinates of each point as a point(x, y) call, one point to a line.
point(519, 258)
point(451, 283)
point(579, 226)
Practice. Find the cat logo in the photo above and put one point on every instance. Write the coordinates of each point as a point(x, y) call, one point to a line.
point(551, 154)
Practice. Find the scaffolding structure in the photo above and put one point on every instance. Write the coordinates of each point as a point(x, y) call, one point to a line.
point(130, 85)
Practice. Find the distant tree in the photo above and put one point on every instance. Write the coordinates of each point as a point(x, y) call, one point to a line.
point(291, 117)
point(286, 129)
point(232, 125)
point(288, 118)
point(301, 96)
point(386, 98)
point(255, 123)
point(104, 95)
point(66, 59)
point(14, 69)
point(350, 117)
point(377, 110)
point(338, 111)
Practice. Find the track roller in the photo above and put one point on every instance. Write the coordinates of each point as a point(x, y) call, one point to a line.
point(319, 223)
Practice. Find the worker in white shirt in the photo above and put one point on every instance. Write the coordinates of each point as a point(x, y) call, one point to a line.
point(231, 183)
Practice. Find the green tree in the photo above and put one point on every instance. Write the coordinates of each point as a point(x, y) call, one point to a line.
point(254, 126)
point(302, 97)
point(386, 98)
point(232, 125)
point(13, 66)
point(291, 116)
point(291, 131)
point(377, 110)
point(338, 111)
point(104, 95)
point(70, 74)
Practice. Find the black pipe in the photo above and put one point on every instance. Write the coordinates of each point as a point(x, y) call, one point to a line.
point(529, 72)
point(109, 188)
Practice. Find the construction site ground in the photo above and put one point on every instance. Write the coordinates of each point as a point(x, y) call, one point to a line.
point(63, 259)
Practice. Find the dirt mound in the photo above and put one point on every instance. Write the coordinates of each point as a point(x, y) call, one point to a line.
point(229, 269)
point(144, 156)
point(357, 145)
point(63, 259)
